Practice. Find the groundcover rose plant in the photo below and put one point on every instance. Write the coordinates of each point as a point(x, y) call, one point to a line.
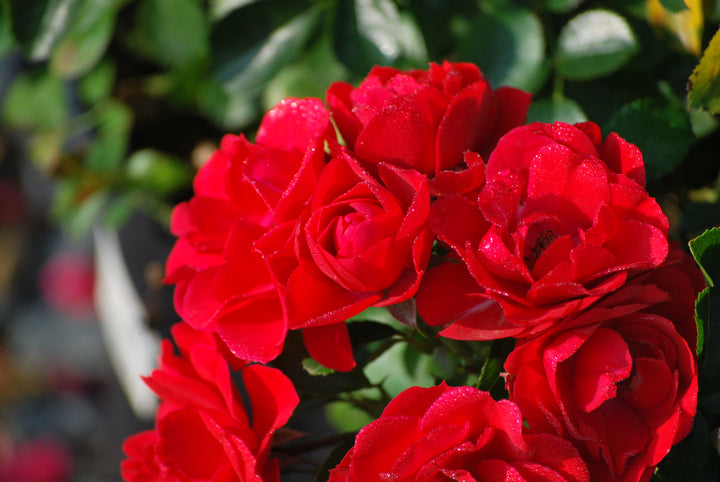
point(417, 211)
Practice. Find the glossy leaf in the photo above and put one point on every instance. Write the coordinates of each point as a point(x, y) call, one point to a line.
point(661, 131)
point(593, 44)
point(220, 8)
point(271, 39)
point(38, 24)
point(374, 32)
point(706, 251)
point(705, 79)
point(520, 61)
point(556, 109)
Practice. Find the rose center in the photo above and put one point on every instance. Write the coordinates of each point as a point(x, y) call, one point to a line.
point(535, 247)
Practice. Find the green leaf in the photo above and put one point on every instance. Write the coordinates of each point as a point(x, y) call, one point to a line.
point(6, 37)
point(270, 40)
point(314, 367)
point(562, 6)
point(706, 251)
point(374, 32)
point(702, 315)
point(674, 6)
point(508, 44)
point(346, 417)
point(172, 32)
point(109, 147)
point(38, 24)
point(555, 109)
point(75, 210)
point(35, 101)
point(705, 79)
point(310, 76)
point(97, 84)
point(389, 370)
point(220, 8)
point(661, 131)
point(232, 112)
point(86, 39)
point(158, 172)
point(593, 44)
point(119, 210)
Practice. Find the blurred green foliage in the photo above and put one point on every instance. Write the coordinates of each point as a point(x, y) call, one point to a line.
point(121, 100)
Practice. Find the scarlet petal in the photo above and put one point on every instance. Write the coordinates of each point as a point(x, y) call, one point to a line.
point(623, 158)
point(273, 399)
point(177, 429)
point(467, 123)
point(338, 99)
point(314, 300)
point(195, 301)
point(293, 123)
point(603, 361)
point(511, 111)
point(638, 245)
point(568, 185)
point(330, 346)
point(254, 328)
point(404, 132)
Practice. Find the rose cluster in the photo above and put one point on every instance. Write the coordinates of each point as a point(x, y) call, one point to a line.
point(426, 189)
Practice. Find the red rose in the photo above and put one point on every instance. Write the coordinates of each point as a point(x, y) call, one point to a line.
point(427, 120)
point(202, 430)
point(360, 243)
point(455, 433)
point(620, 379)
point(563, 219)
point(240, 193)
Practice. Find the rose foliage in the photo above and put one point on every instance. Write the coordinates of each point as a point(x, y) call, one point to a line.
point(422, 192)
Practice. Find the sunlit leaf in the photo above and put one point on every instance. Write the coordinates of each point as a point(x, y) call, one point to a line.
point(706, 251)
point(705, 79)
point(593, 44)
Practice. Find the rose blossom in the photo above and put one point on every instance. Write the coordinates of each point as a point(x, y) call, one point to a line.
point(202, 431)
point(360, 242)
point(563, 219)
point(456, 433)
point(243, 191)
point(438, 121)
point(619, 379)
